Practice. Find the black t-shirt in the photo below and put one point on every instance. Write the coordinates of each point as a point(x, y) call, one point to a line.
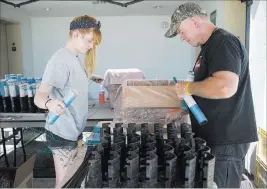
point(231, 120)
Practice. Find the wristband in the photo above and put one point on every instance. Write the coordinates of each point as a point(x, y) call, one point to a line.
point(47, 102)
point(186, 89)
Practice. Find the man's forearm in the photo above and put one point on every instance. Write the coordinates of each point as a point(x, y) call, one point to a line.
point(212, 88)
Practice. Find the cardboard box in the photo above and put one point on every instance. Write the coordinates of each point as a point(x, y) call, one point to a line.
point(149, 94)
point(113, 79)
point(118, 76)
point(18, 177)
point(113, 93)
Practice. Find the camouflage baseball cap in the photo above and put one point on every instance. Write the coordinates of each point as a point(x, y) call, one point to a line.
point(184, 11)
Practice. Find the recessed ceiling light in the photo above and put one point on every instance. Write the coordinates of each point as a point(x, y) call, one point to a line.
point(47, 9)
point(157, 7)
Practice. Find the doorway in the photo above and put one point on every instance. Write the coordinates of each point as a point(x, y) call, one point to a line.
point(10, 46)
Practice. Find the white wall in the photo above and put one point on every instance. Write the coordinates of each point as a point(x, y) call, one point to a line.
point(258, 70)
point(11, 14)
point(3, 51)
point(235, 18)
point(258, 60)
point(127, 42)
point(210, 6)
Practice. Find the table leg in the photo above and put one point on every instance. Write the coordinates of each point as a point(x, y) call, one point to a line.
point(4, 146)
point(22, 144)
point(15, 148)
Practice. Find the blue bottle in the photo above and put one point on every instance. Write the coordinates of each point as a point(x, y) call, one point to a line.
point(7, 77)
point(6, 97)
point(19, 76)
point(14, 94)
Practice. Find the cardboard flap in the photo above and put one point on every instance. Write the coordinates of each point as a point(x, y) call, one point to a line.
point(24, 170)
point(118, 76)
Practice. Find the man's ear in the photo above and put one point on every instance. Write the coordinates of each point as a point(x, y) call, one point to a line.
point(195, 21)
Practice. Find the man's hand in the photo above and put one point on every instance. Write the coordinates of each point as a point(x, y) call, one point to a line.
point(181, 89)
point(174, 115)
point(97, 78)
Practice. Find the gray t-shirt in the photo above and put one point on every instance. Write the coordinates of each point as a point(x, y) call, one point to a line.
point(64, 71)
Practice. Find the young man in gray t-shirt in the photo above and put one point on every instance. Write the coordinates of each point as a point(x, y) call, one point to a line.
point(64, 72)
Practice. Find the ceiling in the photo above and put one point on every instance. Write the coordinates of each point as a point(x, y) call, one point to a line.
point(73, 8)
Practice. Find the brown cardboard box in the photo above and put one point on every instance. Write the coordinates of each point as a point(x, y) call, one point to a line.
point(149, 94)
point(145, 101)
point(113, 79)
point(113, 93)
point(21, 177)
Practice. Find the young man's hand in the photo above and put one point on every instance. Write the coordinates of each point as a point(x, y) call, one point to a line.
point(56, 106)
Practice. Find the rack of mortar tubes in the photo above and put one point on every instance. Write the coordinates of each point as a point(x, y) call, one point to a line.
point(132, 157)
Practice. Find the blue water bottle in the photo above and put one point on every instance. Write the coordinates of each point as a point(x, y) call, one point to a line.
point(68, 99)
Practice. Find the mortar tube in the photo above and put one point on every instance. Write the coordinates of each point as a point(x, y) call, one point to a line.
point(131, 129)
point(144, 133)
point(151, 170)
point(94, 175)
point(106, 128)
point(132, 149)
point(67, 101)
point(158, 131)
point(190, 137)
point(190, 162)
point(170, 169)
point(115, 149)
point(185, 128)
point(208, 170)
point(108, 138)
point(132, 168)
point(135, 141)
point(199, 143)
point(121, 143)
point(114, 171)
point(168, 149)
point(104, 159)
point(160, 151)
point(117, 130)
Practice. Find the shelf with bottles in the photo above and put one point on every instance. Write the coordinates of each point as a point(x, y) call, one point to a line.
point(17, 94)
